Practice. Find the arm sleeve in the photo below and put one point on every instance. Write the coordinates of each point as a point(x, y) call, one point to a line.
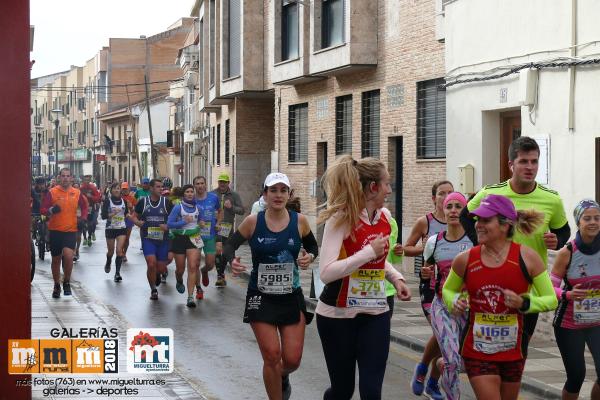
point(429, 247)
point(391, 274)
point(83, 205)
point(562, 234)
point(238, 207)
point(172, 222)
point(556, 283)
point(468, 224)
point(330, 267)
point(104, 210)
point(310, 244)
point(545, 299)
point(451, 289)
point(46, 203)
point(233, 243)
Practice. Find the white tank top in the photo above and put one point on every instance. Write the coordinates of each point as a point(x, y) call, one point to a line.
point(118, 221)
point(195, 213)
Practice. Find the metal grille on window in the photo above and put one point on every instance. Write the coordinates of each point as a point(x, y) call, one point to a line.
point(219, 144)
point(289, 30)
point(343, 125)
point(298, 133)
point(227, 142)
point(431, 119)
point(370, 124)
point(332, 23)
point(234, 38)
point(213, 145)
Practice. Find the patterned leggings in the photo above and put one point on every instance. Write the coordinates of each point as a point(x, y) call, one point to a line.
point(447, 329)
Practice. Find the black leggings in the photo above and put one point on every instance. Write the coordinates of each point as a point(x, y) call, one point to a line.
point(571, 343)
point(365, 340)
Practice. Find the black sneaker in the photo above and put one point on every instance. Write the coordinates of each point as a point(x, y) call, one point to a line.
point(118, 277)
point(163, 277)
point(154, 294)
point(190, 302)
point(180, 286)
point(286, 388)
point(221, 282)
point(107, 267)
point(56, 291)
point(158, 279)
point(76, 257)
point(66, 288)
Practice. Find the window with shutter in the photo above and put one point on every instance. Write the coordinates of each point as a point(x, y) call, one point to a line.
point(298, 133)
point(431, 119)
point(235, 38)
point(343, 125)
point(219, 144)
point(370, 124)
point(289, 30)
point(227, 142)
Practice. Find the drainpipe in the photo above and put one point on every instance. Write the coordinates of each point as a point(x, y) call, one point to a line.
point(571, 121)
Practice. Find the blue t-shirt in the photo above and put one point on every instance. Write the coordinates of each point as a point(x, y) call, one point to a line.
point(209, 207)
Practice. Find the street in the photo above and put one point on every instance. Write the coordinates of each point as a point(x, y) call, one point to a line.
point(215, 351)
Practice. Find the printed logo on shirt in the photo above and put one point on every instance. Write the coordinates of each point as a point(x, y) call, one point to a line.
point(290, 242)
point(492, 296)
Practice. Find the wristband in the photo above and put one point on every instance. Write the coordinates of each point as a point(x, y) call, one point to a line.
point(526, 304)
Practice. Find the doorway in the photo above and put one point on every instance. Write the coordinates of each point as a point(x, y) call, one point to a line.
point(320, 193)
point(510, 129)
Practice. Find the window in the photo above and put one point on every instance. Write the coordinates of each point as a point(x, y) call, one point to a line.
point(219, 144)
point(227, 142)
point(289, 30)
point(201, 58)
point(332, 23)
point(213, 43)
point(370, 123)
point(213, 145)
point(234, 38)
point(298, 133)
point(343, 125)
point(431, 119)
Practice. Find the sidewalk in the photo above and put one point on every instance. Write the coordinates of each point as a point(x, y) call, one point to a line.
point(544, 374)
point(83, 311)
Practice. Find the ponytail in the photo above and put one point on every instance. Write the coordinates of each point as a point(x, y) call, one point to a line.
point(527, 222)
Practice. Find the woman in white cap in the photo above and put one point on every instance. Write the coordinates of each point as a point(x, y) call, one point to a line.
point(281, 242)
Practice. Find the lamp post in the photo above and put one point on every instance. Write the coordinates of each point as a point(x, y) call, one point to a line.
point(38, 134)
point(56, 112)
point(129, 132)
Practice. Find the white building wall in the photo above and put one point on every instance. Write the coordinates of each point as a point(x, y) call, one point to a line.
point(486, 34)
point(160, 122)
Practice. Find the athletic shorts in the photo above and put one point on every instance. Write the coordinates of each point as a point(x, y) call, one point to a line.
point(529, 323)
point(113, 233)
point(180, 244)
point(509, 371)
point(210, 246)
point(157, 248)
point(59, 240)
point(276, 310)
point(427, 295)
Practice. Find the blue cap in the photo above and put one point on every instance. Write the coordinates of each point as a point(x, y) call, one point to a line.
point(145, 180)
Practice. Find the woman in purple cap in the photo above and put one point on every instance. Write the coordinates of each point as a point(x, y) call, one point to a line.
point(577, 320)
point(498, 275)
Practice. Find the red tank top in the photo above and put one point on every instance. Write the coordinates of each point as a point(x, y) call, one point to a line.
point(495, 331)
point(364, 288)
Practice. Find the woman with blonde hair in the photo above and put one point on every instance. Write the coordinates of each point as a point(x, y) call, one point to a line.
point(353, 313)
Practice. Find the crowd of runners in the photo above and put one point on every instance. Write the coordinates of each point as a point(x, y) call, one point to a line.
point(482, 261)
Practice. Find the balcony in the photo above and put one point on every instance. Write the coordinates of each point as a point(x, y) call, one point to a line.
point(343, 36)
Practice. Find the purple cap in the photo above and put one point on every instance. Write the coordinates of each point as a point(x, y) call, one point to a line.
point(494, 204)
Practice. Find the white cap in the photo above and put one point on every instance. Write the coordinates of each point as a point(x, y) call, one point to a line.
point(277, 177)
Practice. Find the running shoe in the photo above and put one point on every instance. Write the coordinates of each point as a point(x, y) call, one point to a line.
point(107, 266)
point(190, 302)
point(154, 294)
point(158, 279)
point(124, 259)
point(66, 288)
point(75, 257)
point(417, 383)
point(199, 293)
point(221, 282)
point(433, 391)
point(286, 388)
point(118, 277)
point(93, 237)
point(205, 280)
point(163, 276)
point(56, 291)
point(180, 286)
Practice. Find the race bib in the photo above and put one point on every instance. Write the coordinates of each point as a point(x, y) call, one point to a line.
point(493, 333)
point(205, 228)
point(366, 289)
point(155, 233)
point(196, 240)
point(117, 222)
point(275, 278)
point(587, 311)
point(225, 229)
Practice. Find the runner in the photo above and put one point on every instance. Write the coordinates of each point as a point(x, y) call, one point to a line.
point(394, 257)
point(151, 216)
point(352, 312)
point(186, 242)
point(439, 252)
point(81, 227)
point(275, 305)
point(498, 275)
point(116, 212)
point(94, 198)
point(525, 193)
point(131, 202)
point(210, 217)
point(231, 204)
point(425, 227)
point(60, 205)
point(145, 189)
point(577, 319)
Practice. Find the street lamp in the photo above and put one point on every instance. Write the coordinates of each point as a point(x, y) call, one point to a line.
point(129, 132)
point(56, 112)
point(38, 134)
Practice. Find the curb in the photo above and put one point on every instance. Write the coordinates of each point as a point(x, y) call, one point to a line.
point(531, 385)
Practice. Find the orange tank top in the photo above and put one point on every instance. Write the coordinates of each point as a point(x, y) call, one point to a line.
point(68, 201)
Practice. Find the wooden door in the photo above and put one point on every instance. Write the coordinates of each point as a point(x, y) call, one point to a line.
point(510, 130)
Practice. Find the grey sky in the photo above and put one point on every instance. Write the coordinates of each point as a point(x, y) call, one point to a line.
point(70, 32)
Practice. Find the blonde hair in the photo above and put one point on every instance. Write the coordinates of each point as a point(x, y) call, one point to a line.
point(346, 182)
point(527, 222)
